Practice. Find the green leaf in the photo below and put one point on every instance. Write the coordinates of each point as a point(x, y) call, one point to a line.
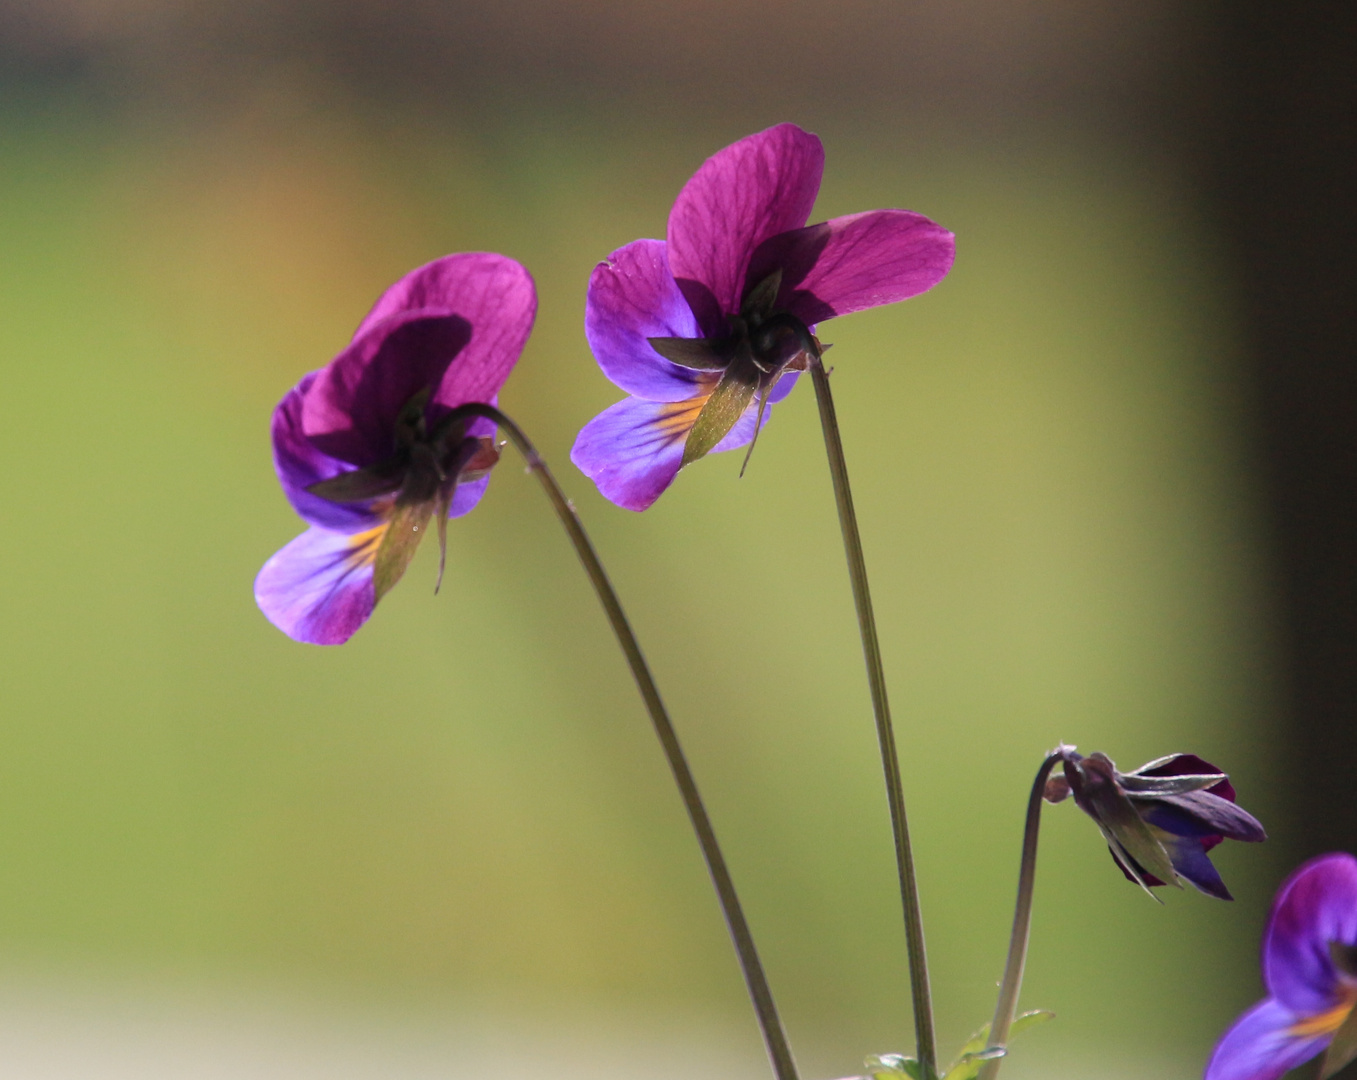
point(893, 1066)
point(976, 1052)
point(1023, 1021)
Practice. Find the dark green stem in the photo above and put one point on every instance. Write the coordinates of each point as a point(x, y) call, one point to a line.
point(876, 678)
point(1022, 923)
point(774, 1037)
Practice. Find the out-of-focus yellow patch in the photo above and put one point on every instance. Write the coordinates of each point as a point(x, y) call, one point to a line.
point(1327, 1022)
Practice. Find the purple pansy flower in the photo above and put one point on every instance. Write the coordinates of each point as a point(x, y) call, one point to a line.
point(706, 329)
point(1310, 971)
point(369, 450)
point(1161, 819)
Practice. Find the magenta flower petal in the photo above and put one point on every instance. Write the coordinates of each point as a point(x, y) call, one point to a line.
point(1316, 906)
point(497, 297)
point(350, 409)
point(633, 297)
point(1260, 1046)
point(299, 464)
point(318, 588)
point(855, 262)
point(753, 189)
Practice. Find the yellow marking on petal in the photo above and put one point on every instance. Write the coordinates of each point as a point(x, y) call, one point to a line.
point(1327, 1022)
point(676, 418)
point(363, 545)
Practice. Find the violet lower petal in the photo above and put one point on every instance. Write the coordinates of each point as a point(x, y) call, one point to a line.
point(1259, 1046)
point(1189, 858)
point(634, 449)
point(856, 262)
point(762, 185)
point(468, 494)
point(1317, 905)
point(299, 464)
point(350, 410)
point(633, 297)
point(318, 588)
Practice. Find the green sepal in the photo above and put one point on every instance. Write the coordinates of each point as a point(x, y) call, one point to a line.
point(1343, 1049)
point(407, 528)
point(1122, 826)
point(722, 411)
point(369, 482)
point(759, 301)
point(1169, 785)
point(699, 353)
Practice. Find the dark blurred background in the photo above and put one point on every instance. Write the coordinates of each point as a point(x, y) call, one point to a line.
point(1106, 473)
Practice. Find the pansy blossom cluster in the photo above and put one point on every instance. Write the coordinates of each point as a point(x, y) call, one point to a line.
point(706, 330)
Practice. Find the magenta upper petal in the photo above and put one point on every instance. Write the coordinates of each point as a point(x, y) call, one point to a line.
point(497, 297)
point(1258, 1046)
point(855, 262)
point(318, 588)
point(633, 297)
point(753, 189)
point(1316, 905)
point(350, 409)
point(299, 464)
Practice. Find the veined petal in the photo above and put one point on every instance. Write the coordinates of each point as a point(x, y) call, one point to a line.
point(1260, 1045)
point(493, 293)
point(350, 409)
point(496, 295)
point(318, 588)
point(1316, 906)
point(634, 449)
point(855, 262)
point(763, 185)
point(633, 297)
point(299, 464)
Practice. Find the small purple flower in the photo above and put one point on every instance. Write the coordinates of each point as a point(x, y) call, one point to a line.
point(1310, 971)
point(1161, 819)
point(368, 449)
point(708, 328)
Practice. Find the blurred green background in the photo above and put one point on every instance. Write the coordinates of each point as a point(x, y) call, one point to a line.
point(461, 817)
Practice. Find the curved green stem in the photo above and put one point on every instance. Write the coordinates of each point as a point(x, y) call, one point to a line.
point(774, 1037)
point(876, 678)
point(1022, 923)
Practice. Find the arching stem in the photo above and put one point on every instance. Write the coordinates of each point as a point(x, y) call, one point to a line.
point(1022, 923)
point(876, 679)
point(774, 1037)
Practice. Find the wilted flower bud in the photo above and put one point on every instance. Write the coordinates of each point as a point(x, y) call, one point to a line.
point(1161, 819)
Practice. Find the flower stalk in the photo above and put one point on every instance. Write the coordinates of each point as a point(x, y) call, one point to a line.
point(920, 994)
point(774, 1036)
point(1007, 1005)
